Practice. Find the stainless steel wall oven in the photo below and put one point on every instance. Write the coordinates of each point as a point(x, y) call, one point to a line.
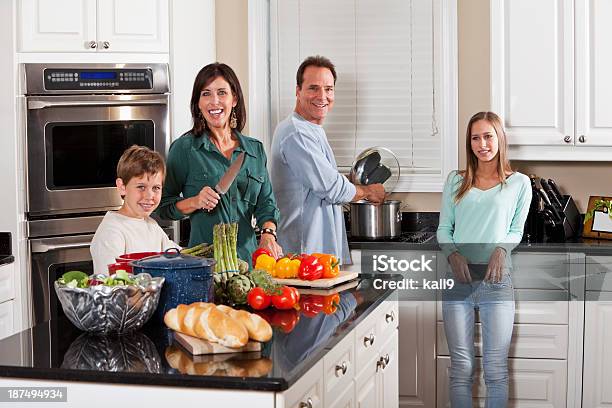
point(79, 120)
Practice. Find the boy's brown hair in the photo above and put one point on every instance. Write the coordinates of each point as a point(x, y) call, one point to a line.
point(139, 160)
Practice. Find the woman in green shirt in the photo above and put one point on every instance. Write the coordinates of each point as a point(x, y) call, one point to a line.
point(198, 159)
point(484, 209)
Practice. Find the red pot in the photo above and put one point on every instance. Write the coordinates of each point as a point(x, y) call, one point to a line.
point(125, 259)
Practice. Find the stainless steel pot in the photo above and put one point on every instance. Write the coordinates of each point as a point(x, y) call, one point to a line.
point(370, 221)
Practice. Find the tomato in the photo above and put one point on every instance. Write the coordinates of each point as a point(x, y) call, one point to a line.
point(258, 299)
point(258, 252)
point(285, 300)
point(296, 294)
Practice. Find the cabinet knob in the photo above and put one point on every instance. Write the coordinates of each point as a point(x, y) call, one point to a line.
point(106, 45)
point(93, 44)
point(307, 404)
point(389, 317)
point(342, 368)
point(369, 340)
point(379, 364)
point(386, 360)
point(582, 139)
point(567, 139)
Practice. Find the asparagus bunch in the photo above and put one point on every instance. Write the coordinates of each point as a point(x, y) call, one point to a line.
point(203, 250)
point(225, 238)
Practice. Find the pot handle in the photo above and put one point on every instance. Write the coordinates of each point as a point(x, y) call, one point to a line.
point(172, 253)
point(399, 215)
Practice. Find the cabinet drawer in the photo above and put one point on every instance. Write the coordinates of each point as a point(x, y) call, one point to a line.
point(367, 343)
point(7, 279)
point(388, 319)
point(528, 341)
point(599, 273)
point(534, 383)
point(540, 271)
point(6, 318)
point(339, 367)
point(308, 388)
point(535, 306)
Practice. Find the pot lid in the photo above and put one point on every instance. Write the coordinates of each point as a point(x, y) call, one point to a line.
point(172, 259)
point(376, 165)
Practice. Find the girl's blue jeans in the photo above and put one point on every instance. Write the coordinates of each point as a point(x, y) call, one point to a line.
point(495, 304)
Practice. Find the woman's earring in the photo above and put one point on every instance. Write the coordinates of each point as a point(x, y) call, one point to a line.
point(233, 120)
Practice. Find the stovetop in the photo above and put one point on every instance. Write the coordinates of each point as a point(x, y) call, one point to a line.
point(413, 237)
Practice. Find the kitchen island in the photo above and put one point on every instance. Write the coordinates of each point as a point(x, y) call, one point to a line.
point(320, 359)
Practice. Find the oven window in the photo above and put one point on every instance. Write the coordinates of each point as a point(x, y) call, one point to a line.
point(85, 155)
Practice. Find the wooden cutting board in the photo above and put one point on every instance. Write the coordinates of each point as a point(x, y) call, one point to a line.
point(200, 346)
point(328, 291)
point(342, 277)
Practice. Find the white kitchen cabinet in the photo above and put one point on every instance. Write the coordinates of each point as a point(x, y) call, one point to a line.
point(533, 383)
point(549, 77)
point(6, 318)
point(597, 375)
point(93, 26)
point(417, 371)
point(360, 371)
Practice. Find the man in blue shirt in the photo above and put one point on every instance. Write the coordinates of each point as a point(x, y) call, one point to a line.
point(308, 188)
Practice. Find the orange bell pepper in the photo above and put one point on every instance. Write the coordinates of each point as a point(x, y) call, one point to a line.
point(331, 265)
point(330, 303)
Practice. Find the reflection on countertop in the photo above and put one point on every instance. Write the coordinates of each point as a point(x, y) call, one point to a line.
point(151, 356)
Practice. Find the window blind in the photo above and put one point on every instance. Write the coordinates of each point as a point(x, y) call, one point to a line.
point(383, 51)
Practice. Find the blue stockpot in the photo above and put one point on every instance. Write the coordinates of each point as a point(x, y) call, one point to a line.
point(188, 278)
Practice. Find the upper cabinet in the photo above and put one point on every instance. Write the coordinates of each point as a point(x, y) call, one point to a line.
point(94, 26)
point(549, 77)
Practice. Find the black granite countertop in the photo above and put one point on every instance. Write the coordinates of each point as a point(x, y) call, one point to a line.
point(60, 352)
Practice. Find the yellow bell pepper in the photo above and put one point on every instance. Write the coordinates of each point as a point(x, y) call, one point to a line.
point(286, 268)
point(266, 262)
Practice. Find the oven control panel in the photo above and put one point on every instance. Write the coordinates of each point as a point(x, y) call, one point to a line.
point(97, 79)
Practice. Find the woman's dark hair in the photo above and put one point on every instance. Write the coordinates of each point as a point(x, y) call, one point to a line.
point(205, 77)
point(316, 61)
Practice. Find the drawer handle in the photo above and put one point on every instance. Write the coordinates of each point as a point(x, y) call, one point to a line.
point(342, 367)
point(379, 364)
point(307, 404)
point(390, 317)
point(369, 340)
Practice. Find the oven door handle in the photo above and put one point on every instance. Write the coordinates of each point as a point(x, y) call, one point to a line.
point(40, 246)
point(42, 104)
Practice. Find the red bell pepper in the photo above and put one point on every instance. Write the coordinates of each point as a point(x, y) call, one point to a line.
point(310, 268)
point(311, 305)
point(258, 252)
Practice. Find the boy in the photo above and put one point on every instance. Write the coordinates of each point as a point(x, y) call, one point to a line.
point(140, 175)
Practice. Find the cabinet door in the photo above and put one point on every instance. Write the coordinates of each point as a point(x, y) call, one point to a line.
point(58, 26)
point(597, 375)
point(366, 391)
point(532, 75)
point(533, 383)
point(593, 67)
point(307, 390)
point(133, 26)
point(417, 371)
point(346, 399)
point(6, 318)
point(389, 373)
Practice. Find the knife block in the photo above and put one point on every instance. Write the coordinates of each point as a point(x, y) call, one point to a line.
point(570, 227)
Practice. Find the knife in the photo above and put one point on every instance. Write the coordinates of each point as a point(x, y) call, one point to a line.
point(230, 174)
point(554, 188)
point(551, 194)
point(548, 205)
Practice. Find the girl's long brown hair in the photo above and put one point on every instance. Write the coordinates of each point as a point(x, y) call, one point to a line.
point(503, 165)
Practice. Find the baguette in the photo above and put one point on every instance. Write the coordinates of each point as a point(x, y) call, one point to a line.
point(207, 322)
point(258, 328)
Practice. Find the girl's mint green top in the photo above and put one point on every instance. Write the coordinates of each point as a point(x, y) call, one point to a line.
point(483, 219)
